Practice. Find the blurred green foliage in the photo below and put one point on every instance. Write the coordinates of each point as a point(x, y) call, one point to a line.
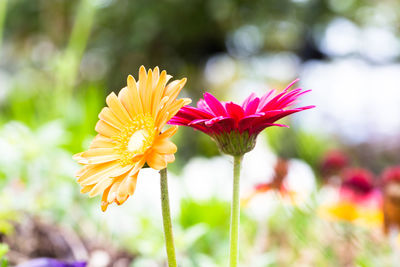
point(3, 252)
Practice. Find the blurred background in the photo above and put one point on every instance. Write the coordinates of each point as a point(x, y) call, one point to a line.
point(60, 59)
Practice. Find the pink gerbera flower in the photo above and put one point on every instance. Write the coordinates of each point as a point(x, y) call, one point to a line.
point(391, 174)
point(333, 162)
point(358, 187)
point(235, 127)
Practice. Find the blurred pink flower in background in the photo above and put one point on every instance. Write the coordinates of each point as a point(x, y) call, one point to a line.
point(333, 162)
point(358, 187)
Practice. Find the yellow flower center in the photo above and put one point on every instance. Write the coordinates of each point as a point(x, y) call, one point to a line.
point(135, 138)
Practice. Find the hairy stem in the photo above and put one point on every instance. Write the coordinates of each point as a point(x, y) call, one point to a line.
point(166, 214)
point(235, 213)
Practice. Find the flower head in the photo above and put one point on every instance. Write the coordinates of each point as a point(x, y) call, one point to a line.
point(391, 174)
point(333, 162)
point(391, 197)
point(235, 127)
point(359, 201)
point(357, 185)
point(130, 135)
point(277, 183)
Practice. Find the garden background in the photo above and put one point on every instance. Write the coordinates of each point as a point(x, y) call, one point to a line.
point(60, 59)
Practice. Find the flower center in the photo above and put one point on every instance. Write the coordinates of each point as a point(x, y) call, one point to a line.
point(135, 138)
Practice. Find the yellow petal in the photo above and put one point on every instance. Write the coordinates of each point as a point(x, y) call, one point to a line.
point(117, 108)
point(156, 161)
point(169, 158)
point(156, 75)
point(104, 203)
point(158, 92)
point(101, 141)
point(87, 189)
point(138, 166)
point(125, 96)
point(162, 120)
point(173, 89)
point(148, 92)
point(127, 188)
point(97, 174)
point(134, 95)
point(105, 129)
point(100, 187)
point(142, 86)
point(172, 104)
point(82, 170)
point(112, 195)
point(98, 155)
point(169, 132)
point(164, 146)
point(107, 116)
point(176, 106)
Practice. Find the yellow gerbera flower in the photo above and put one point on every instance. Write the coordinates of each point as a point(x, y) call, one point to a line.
point(130, 135)
point(353, 213)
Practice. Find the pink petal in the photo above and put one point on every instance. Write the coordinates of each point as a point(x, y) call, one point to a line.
point(272, 116)
point(202, 105)
point(290, 84)
point(264, 99)
point(252, 106)
point(262, 126)
point(247, 122)
point(215, 105)
point(199, 121)
point(221, 124)
point(234, 110)
point(195, 112)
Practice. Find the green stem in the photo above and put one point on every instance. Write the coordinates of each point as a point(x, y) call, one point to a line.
point(166, 214)
point(235, 213)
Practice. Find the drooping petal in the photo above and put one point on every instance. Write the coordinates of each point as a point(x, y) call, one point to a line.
point(126, 188)
point(164, 146)
point(156, 160)
point(169, 158)
point(100, 186)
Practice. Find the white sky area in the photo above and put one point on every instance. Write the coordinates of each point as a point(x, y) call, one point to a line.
point(355, 100)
